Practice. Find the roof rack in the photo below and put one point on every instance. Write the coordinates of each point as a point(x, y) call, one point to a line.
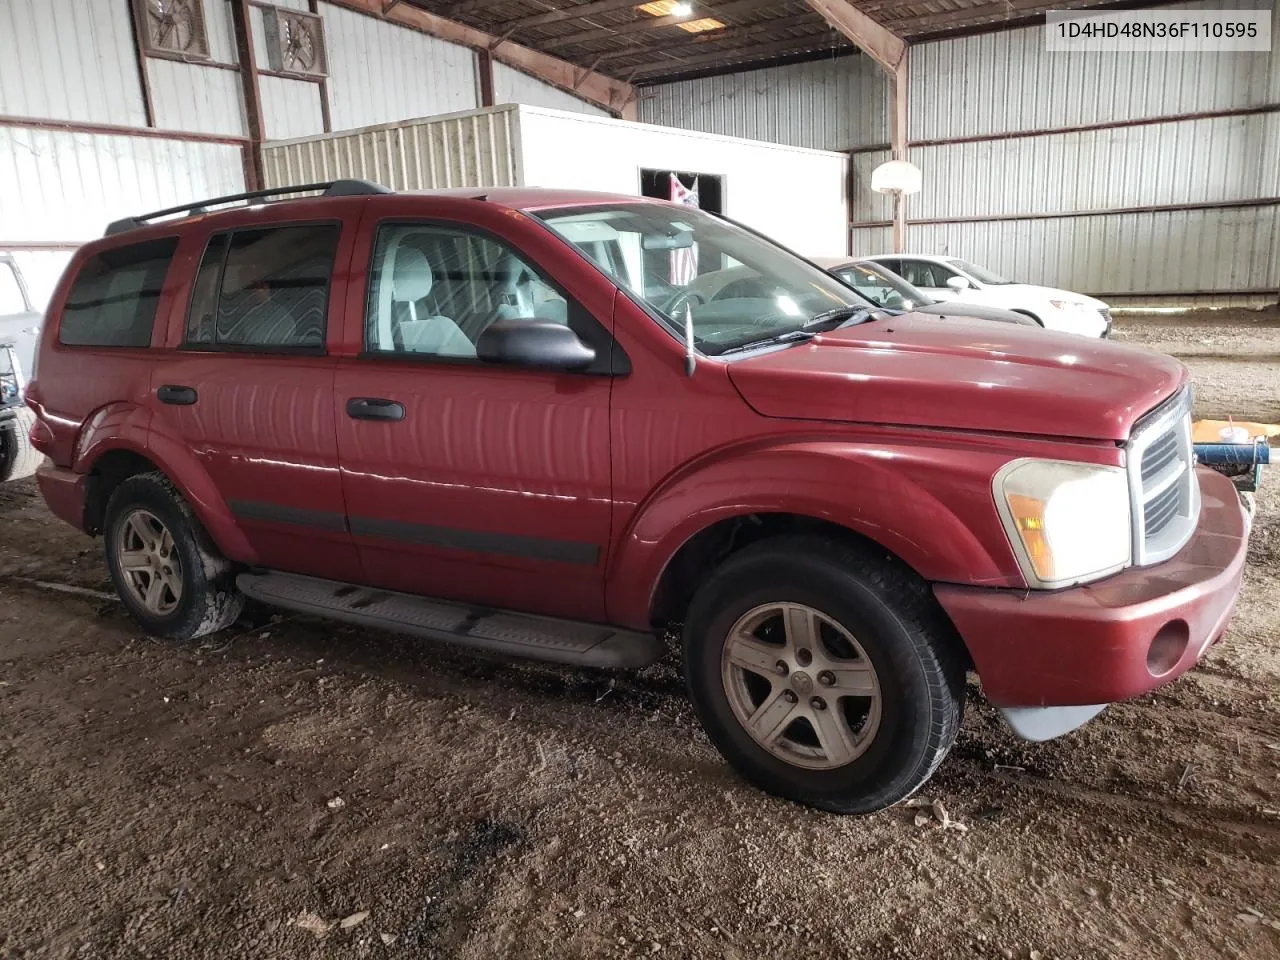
point(333, 188)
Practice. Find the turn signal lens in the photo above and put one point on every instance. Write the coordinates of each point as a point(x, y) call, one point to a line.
point(1028, 514)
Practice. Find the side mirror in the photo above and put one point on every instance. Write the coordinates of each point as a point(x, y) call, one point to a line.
point(959, 284)
point(534, 343)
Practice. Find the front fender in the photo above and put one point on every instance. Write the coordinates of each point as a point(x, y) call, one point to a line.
point(928, 503)
point(124, 426)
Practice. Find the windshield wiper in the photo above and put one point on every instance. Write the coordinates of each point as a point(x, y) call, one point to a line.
point(790, 336)
point(839, 317)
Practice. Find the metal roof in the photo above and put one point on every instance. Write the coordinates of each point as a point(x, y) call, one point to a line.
point(622, 40)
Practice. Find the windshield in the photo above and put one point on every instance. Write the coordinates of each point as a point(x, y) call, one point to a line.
point(737, 287)
point(882, 288)
point(978, 273)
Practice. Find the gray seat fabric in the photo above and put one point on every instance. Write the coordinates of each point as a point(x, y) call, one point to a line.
point(411, 282)
point(516, 297)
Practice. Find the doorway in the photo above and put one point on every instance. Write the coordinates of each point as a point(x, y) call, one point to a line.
point(710, 187)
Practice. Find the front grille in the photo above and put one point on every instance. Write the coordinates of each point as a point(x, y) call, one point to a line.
point(1158, 456)
point(1158, 511)
point(1163, 488)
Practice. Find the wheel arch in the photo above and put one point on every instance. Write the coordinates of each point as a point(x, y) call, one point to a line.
point(701, 553)
point(107, 464)
point(696, 520)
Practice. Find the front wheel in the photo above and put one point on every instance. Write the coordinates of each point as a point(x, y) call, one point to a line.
point(824, 673)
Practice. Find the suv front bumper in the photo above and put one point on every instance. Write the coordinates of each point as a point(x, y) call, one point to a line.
point(1113, 639)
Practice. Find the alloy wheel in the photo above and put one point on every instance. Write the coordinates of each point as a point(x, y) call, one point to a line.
point(148, 563)
point(801, 685)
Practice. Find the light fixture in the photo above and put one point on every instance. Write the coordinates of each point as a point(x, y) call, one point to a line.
point(701, 26)
point(896, 177)
point(681, 10)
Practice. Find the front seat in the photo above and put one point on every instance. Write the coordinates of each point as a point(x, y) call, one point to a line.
point(411, 282)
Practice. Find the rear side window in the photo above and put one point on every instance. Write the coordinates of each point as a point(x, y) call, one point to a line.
point(113, 300)
point(264, 289)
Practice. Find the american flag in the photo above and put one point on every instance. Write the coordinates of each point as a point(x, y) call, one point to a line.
point(684, 263)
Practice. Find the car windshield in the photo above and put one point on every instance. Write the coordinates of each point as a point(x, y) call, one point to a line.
point(737, 288)
point(882, 287)
point(981, 274)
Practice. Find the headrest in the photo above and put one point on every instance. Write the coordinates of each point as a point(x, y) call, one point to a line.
point(411, 275)
point(512, 272)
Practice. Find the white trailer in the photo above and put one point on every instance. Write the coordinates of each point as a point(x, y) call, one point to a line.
point(795, 195)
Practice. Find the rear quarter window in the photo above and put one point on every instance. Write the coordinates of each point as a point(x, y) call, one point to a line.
point(113, 300)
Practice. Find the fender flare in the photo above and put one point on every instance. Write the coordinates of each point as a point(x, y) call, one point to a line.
point(896, 500)
point(124, 426)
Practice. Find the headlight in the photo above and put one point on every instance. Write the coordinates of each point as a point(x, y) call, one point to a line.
point(1068, 305)
point(1068, 522)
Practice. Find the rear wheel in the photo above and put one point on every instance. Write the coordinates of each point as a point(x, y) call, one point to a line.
point(824, 673)
point(166, 570)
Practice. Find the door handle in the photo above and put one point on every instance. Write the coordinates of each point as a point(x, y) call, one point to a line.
point(374, 408)
point(179, 396)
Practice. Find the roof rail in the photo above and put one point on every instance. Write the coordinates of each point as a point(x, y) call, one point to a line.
point(333, 188)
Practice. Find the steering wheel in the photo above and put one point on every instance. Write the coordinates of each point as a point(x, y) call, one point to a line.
point(682, 298)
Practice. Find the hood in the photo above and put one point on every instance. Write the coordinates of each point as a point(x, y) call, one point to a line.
point(923, 371)
point(1014, 290)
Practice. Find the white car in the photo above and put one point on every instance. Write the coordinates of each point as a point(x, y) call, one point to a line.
point(950, 278)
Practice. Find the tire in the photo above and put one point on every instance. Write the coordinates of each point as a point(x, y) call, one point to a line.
point(884, 638)
point(1030, 316)
point(18, 458)
point(196, 594)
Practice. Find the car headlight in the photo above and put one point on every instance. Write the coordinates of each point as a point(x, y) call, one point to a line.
point(1069, 305)
point(1068, 522)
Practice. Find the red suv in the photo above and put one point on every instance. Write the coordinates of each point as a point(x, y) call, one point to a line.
point(509, 420)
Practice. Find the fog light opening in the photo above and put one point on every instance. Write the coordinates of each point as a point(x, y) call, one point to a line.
point(1167, 647)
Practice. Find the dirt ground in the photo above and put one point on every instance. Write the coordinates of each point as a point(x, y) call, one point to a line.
point(292, 788)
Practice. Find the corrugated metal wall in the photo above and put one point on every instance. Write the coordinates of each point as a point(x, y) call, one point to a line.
point(290, 108)
point(1001, 82)
point(471, 149)
point(66, 187)
point(513, 86)
point(75, 183)
point(74, 61)
point(195, 98)
point(379, 73)
point(834, 104)
point(1024, 193)
point(1082, 209)
point(69, 60)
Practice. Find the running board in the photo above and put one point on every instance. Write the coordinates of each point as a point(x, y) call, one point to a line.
point(483, 628)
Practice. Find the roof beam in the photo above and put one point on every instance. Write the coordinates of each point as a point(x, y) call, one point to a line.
point(571, 12)
point(989, 11)
point(883, 46)
point(719, 42)
point(655, 23)
point(735, 54)
point(594, 87)
point(463, 6)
